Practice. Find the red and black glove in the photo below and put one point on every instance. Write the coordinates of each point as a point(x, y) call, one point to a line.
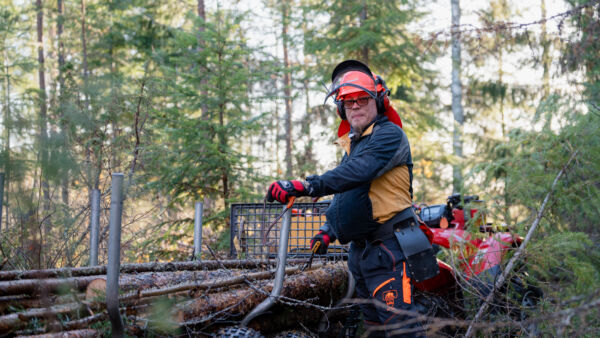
point(283, 190)
point(319, 243)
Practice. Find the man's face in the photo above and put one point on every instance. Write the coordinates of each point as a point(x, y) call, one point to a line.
point(360, 116)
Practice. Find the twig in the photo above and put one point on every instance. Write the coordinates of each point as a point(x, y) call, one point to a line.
point(519, 251)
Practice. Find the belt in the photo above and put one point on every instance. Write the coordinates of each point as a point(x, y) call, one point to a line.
point(401, 220)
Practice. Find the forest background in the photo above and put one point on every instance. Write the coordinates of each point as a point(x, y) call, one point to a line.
point(210, 102)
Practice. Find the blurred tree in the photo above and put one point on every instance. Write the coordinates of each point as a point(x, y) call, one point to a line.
point(494, 103)
point(457, 108)
point(376, 32)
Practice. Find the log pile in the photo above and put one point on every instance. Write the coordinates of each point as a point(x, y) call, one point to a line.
point(197, 297)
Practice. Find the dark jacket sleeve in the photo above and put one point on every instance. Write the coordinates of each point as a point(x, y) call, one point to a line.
point(383, 151)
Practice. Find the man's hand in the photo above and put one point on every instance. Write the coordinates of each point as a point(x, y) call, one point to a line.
point(319, 243)
point(283, 190)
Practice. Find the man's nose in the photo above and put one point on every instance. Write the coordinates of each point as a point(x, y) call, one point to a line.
point(355, 103)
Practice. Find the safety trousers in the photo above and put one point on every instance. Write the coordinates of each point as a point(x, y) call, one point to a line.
point(382, 277)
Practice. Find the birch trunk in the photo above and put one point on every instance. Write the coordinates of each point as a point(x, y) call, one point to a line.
point(456, 89)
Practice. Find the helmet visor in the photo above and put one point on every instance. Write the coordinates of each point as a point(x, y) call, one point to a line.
point(351, 80)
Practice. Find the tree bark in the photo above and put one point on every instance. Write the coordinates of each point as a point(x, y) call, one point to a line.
point(43, 138)
point(211, 284)
point(61, 100)
point(202, 69)
point(546, 61)
point(318, 284)
point(35, 286)
point(363, 19)
point(456, 89)
point(15, 321)
point(287, 88)
point(321, 285)
point(141, 267)
point(28, 302)
point(7, 129)
point(84, 333)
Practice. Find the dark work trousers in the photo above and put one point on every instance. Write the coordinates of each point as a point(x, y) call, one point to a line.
point(382, 275)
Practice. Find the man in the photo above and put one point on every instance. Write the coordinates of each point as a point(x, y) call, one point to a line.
point(373, 198)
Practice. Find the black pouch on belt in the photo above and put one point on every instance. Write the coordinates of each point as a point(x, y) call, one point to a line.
point(418, 252)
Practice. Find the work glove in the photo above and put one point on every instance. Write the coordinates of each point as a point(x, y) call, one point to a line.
point(283, 190)
point(319, 243)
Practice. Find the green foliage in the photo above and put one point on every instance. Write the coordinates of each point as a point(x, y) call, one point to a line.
point(568, 263)
point(160, 323)
point(208, 116)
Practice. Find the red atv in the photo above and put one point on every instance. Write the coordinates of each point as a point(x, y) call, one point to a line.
point(460, 226)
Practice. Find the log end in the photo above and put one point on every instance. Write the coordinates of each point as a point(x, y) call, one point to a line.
point(96, 290)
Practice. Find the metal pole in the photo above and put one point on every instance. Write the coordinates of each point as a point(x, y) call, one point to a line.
point(198, 232)
point(94, 227)
point(114, 255)
point(279, 273)
point(1, 196)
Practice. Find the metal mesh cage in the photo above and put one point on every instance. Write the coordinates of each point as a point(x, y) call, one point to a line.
point(252, 236)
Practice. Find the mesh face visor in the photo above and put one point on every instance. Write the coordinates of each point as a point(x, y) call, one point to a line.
point(350, 77)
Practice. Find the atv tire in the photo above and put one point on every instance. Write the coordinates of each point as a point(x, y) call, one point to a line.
point(292, 334)
point(238, 332)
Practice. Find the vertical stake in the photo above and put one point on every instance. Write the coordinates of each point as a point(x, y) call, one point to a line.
point(94, 227)
point(114, 254)
point(198, 232)
point(1, 196)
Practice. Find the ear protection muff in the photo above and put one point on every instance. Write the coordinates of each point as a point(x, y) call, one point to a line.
point(382, 100)
point(340, 109)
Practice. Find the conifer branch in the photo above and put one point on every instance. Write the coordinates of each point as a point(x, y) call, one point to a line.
point(519, 251)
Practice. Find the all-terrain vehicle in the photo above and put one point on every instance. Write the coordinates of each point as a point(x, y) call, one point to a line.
point(480, 249)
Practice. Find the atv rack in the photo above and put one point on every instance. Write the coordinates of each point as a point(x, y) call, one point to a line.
point(251, 237)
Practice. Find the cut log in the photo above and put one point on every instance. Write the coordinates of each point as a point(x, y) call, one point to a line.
point(96, 288)
point(15, 321)
point(12, 303)
point(127, 282)
point(68, 334)
point(320, 286)
point(154, 285)
point(141, 267)
point(215, 284)
point(36, 286)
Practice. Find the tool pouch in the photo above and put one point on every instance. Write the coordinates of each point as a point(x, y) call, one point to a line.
point(418, 252)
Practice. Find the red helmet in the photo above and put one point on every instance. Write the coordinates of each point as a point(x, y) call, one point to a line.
point(353, 82)
point(352, 76)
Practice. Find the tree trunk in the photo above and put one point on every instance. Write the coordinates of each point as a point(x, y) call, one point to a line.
point(84, 333)
point(215, 294)
point(363, 19)
point(43, 136)
point(202, 69)
point(141, 267)
point(36, 286)
point(545, 54)
point(61, 100)
point(456, 89)
point(287, 89)
point(321, 284)
point(19, 320)
point(7, 129)
point(28, 302)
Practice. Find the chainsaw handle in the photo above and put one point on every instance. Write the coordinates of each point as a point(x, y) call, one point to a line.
point(316, 247)
point(290, 202)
